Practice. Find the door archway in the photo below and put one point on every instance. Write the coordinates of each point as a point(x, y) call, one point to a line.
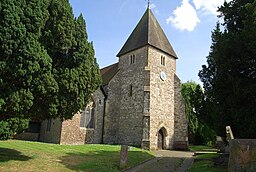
point(161, 139)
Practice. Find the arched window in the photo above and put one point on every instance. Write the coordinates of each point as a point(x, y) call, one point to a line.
point(91, 121)
point(163, 60)
point(87, 117)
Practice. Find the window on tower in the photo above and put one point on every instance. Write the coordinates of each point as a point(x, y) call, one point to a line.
point(130, 90)
point(163, 60)
point(132, 59)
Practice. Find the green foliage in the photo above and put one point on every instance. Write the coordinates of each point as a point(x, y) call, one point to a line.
point(25, 67)
point(11, 126)
point(230, 77)
point(199, 132)
point(74, 66)
point(193, 95)
point(47, 65)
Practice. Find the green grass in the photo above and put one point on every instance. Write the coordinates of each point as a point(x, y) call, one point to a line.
point(204, 161)
point(205, 166)
point(34, 156)
point(202, 148)
point(207, 156)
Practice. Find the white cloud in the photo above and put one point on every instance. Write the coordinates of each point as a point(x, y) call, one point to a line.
point(208, 6)
point(184, 17)
point(152, 6)
point(197, 3)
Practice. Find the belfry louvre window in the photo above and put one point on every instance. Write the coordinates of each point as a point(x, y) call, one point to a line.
point(132, 59)
point(163, 60)
point(87, 118)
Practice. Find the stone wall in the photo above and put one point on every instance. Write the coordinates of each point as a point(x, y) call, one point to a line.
point(53, 134)
point(180, 120)
point(99, 115)
point(136, 119)
point(27, 136)
point(242, 155)
point(72, 133)
point(111, 118)
point(124, 112)
point(161, 97)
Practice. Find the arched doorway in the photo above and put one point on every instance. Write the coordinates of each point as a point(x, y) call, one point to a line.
point(160, 139)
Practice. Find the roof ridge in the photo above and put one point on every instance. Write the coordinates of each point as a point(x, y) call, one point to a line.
point(147, 32)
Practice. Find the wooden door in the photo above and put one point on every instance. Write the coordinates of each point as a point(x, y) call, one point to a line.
point(160, 140)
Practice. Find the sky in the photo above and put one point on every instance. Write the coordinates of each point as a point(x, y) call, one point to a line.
point(187, 24)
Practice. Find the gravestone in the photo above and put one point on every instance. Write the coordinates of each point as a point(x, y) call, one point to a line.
point(229, 133)
point(123, 156)
point(242, 155)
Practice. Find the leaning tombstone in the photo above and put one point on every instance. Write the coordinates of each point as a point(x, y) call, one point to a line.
point(230, 137)
point(220, 144)
point(123, 156)
point(229, 133)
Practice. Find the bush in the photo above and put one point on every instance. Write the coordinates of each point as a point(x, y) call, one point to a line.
point(11, 126)
point(203, 135)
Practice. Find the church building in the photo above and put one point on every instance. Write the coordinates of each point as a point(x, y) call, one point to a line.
point(139, 103)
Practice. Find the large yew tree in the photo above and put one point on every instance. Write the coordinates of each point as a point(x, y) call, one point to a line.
point(47, 65)
point(229, 78)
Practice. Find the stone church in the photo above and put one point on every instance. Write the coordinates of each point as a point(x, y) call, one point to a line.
point(138, 104)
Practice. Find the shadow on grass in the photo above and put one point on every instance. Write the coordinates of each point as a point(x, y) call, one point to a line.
point(101, 160)
point(162, 164)
point(11, 154)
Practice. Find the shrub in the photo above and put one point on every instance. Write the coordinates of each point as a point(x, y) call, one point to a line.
point(11, 126)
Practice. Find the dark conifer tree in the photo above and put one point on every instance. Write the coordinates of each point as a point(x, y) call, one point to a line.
point(25, 67)
point(47, 65)
point(230, 77)
point(74, 65)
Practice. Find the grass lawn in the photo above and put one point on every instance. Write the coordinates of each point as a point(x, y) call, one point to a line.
point(202, 148)
point(205, 166)
point(205, 161)
point(34, 156)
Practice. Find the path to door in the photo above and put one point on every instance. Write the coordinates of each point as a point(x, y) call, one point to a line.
point(166, 161)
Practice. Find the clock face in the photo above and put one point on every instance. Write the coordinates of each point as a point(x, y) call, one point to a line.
point(163, 75)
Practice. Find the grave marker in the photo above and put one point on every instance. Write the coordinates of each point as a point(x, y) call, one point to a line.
point(123, 156)
point(229, 133)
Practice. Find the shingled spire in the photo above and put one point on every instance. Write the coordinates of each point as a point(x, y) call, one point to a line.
point(147, 32)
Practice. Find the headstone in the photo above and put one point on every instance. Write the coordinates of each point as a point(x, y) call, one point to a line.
point(229, 133)
point(242, 155)
point(123, 156)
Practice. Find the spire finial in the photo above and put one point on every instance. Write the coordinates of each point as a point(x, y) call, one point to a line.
point(148, 3)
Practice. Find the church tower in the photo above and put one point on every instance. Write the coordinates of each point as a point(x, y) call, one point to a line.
point(144, 105)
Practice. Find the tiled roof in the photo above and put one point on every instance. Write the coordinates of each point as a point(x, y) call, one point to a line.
point(147, 32)
point(108, 73)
